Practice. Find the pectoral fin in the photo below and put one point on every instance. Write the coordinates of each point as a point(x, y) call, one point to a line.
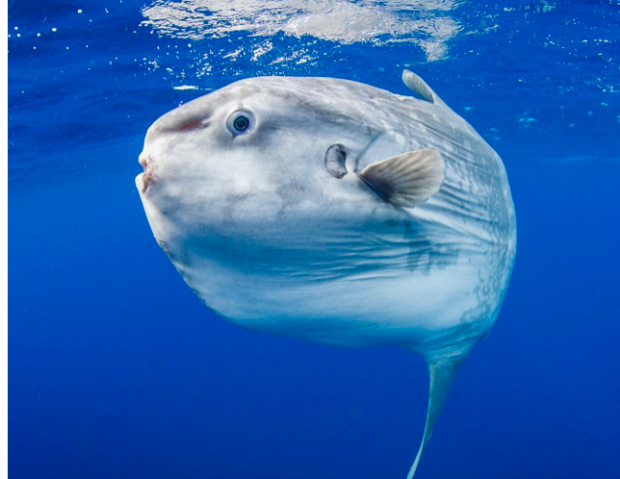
point(406, 180)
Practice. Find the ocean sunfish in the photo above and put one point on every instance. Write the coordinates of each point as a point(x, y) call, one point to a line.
point(337, 212)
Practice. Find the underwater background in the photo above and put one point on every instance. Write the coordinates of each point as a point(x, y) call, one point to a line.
point(116, 369)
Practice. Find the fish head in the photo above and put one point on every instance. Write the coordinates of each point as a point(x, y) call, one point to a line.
point(268, 162)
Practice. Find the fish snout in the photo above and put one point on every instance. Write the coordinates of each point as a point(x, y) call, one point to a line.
point(149, 166)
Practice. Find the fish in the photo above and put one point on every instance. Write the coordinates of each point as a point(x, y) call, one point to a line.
point(336, 212)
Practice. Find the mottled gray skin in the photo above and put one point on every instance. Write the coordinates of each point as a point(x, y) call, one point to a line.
point(269, 239)
point(282, 226)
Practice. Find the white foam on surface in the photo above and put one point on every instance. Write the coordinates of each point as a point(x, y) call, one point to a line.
point(425, 23)
point(185, 87)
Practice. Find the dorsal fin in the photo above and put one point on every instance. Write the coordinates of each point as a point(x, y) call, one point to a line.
point(420, 87)
point(442, 372)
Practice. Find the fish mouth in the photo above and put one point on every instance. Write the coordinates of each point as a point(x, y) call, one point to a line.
point(145, 179)
point(140, 183)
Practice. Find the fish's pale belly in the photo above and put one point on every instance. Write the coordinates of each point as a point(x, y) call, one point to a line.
point(367, 309)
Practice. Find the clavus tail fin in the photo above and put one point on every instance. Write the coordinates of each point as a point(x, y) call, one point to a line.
point(442, 372)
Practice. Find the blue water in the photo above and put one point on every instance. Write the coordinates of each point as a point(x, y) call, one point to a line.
point(116, 370)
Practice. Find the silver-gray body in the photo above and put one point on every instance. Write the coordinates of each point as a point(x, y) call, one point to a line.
point(312, 256)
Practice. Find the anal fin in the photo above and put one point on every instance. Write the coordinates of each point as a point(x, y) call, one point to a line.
point(442, 372)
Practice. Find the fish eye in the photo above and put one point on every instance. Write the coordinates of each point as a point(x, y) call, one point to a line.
point(240, 122)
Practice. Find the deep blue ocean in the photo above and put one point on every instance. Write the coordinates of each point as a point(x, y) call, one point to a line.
point(116, 369)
